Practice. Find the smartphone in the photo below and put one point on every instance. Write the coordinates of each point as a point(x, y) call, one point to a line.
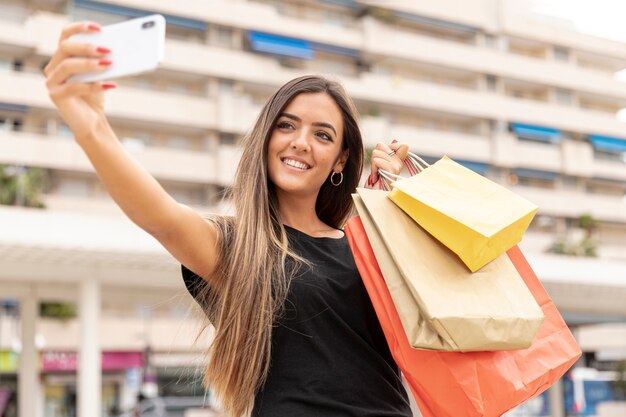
point(136, 46)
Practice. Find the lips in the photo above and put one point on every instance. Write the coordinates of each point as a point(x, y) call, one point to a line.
point(295, 163)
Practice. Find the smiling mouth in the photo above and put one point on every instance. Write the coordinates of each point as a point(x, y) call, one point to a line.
point(295, 164)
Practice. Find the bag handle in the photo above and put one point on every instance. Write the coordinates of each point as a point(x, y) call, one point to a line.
point(414, 165)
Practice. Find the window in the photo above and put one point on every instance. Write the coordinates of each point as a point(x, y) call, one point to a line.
point(491, 41)
point(612, 188)
point(561, 54)
point(5, 124)
point(18, 65)
point(64, 132)
point(226, 86)
point(5, 65)
point(178, 142)
point(8, 124)
point(332, 18)
point(543, 223)
point(492, 82)
point(73, 187)
point(227, 139)
point(187, 195)
point(563, 96)
point(223, 37)
point(533, 178)
point(18, 124)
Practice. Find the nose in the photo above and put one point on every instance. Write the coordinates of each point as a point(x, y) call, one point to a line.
point(300, 141)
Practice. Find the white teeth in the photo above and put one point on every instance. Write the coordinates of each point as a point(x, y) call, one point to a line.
point(295, 164)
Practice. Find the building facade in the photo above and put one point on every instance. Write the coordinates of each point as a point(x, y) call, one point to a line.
point(524, 100)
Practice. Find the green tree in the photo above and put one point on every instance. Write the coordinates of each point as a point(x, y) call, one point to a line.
point(587, 246)
point(619, 385)
point(61, 311)
point(22, 186)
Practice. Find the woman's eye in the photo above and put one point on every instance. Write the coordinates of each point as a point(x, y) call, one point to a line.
point(325, 136)
point(284, 125)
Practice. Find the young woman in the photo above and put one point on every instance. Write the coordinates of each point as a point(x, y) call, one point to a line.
point(296, 334)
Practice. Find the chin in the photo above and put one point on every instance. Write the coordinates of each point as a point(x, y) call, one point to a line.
point(296, 188)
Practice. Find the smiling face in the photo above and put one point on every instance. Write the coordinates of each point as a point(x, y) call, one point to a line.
point(306, 145)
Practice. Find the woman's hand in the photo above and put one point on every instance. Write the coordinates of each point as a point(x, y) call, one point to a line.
point(387, 157)
point(79, 104)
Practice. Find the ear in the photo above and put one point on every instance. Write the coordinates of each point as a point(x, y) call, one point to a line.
point(341, 160)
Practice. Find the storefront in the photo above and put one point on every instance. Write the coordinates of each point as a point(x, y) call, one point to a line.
point(121, 377)
point(9, 361)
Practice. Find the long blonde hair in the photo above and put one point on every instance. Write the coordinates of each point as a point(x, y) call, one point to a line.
point(252, 279)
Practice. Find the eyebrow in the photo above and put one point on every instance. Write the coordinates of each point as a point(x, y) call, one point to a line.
point(320, 124)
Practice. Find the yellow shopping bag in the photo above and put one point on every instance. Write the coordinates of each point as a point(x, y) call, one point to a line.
point(473, 216)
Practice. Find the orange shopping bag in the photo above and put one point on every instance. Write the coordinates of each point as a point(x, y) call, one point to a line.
point(473, 384)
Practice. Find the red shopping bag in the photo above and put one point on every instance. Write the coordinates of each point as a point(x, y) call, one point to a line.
point(473, 384)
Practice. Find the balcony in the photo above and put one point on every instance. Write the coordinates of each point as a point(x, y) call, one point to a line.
point(250, 16)
point(562, 203)
point(525, 25)
point(15, 38)
point(426, 141)
point(251, 68)
point(54, 153)
point(128, 103)
point(508, 151)
point(386, 41)
point(260, 70)
point(122, 334)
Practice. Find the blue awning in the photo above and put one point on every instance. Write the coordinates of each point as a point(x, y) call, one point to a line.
point(536, 132)
point(535, 174)
point(477, 167)
point(338, 50)
point(344, 3)
point(608, 144)
point(436, 22)
point(12, 107)
point(280, 45)
point(132, 12)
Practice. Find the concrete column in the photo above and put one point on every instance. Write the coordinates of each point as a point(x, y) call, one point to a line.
point(89, 389)
point(555, 393)
point(29, 389)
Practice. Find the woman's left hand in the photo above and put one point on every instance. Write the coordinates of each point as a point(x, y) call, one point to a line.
point(387, 157)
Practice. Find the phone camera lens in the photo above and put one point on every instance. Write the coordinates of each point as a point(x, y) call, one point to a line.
point(147, 25)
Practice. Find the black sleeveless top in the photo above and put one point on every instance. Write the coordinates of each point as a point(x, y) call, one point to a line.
point(329, 355)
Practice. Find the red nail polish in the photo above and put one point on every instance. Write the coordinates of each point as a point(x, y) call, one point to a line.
point(394, 141)
point(93, 26)
point(108, 86)
point(105, 62)
point(103, 50)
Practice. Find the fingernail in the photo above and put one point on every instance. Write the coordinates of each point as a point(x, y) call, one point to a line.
point(103, 50)
point(105, 62)
point(108, 86)
point(94, 26)
point(394, 141)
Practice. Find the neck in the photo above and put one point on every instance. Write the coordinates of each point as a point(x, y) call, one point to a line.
point(299, 212)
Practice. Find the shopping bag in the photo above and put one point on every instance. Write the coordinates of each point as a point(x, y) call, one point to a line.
point(491, 309)
point(420, 333)
point(473, 384)
point(476, 218)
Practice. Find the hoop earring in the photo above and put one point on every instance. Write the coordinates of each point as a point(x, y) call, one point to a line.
point(332, 181)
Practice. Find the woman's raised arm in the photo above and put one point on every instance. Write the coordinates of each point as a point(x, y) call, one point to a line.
point(182, 231)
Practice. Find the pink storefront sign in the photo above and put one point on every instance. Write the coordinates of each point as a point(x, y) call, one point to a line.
point(111, 361)
point(5, 396)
